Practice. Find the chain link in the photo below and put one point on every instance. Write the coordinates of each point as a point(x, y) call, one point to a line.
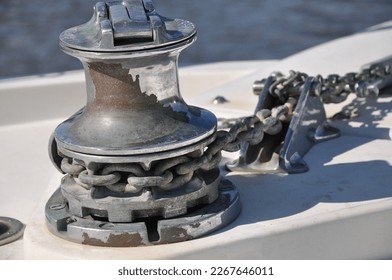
point(173, 173)
point(335, 88)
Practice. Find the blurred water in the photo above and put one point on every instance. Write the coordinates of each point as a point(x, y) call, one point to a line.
point(227, 29)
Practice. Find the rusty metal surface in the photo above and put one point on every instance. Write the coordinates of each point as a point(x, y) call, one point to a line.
point(130, 114)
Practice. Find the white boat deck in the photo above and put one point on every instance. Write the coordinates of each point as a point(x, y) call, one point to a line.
point(340, 209)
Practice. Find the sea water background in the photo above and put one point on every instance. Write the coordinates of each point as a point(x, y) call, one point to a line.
point(227, 29)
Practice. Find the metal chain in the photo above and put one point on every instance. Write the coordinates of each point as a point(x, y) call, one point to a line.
point(332, 89)
point(168, 174)
point(173, 173)
point(335, 88)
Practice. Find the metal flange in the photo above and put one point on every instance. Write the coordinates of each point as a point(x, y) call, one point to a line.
point(10, 230)
point(198, 222)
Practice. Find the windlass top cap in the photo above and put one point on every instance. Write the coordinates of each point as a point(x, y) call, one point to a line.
point(126, 26)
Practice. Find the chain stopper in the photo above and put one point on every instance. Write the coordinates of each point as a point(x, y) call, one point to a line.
point(295, 131)
point(291, 112)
